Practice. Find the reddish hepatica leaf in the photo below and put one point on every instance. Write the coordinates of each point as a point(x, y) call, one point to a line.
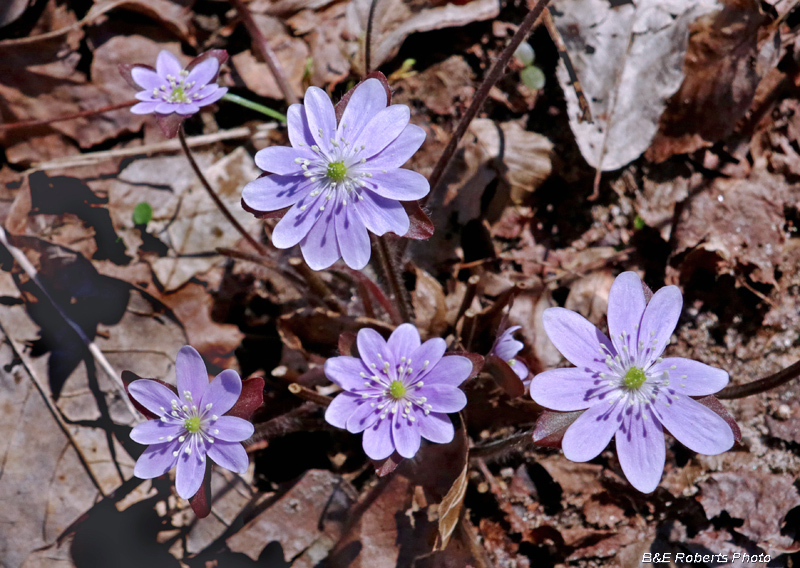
point(346, 343)
point(504, 376)
point(387, 466)
point(251, 398)
point(128, 377)
point(551, 426)
point(714, 404)
point(421, 226)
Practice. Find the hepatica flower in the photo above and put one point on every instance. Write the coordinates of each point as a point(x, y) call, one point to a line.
point(506, 348)
point(191, 425)
point(169, 89)
point(628, 390)
point(398, 391)
point(340, 180)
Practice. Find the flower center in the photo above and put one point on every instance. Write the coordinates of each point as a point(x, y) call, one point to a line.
point(337, 171)
point(634, 378)
point(397, 389)
point(178, 94)
point(192, 424)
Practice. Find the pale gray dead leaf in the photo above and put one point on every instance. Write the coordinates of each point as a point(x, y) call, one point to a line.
point(629, 60)
point(450, 509)
point(184, 216)
point(395, 20)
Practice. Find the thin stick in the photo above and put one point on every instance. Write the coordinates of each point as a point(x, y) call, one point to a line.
point(93, 158)
point(368, 39)
point(495, 73)
point(561, 47)
point(310, 395)
point(82, 114)
point(30, 270)
point(392, 276)
point(469, 295)
point(761, 385)
point(220, 205)
point(241, 101)
point(265, 50)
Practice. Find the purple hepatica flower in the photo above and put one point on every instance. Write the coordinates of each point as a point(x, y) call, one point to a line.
point(340, 180)
point(506, 348)
point(398, 392)
point(627, 388)
point(191, 424)
point(171, 88)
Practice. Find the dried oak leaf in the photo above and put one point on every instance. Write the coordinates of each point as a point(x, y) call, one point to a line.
point(729, 52)
point(741, 221)
point(628, 58)
point(323, 31)
point(395, 20)
point(761, 500)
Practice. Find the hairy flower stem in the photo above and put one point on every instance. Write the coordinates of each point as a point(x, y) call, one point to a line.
point(368, 39)
point(761, 385)
point(82, 114)
point(220, 205)
point(391, 274)
point(241, 101)
point(265, 51)
point(495, 73)
point(495, 449)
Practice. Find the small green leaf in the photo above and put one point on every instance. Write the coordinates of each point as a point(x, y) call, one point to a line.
point(638, 223)
point(532, 77)
point(142, 213)
point(525, 54)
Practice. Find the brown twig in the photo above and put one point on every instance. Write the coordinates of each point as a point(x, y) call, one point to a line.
point(392, 276)
point(82, 114)
point(469, 295)
point(494, 74)
point(265, 50)
point(761, 385)
point(310, 395)
point(213, 194)
point(368, 39)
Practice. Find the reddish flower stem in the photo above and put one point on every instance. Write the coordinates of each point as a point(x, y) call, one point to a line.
point(495, 73)
point(263, 48)
point(761, 385)
point(82, 114)
point(220, 205)
point(368, 38)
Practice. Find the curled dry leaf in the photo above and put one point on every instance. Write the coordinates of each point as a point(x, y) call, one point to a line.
point(629, 60)
point(429, 305)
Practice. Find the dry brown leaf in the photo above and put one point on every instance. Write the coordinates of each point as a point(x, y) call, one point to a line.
point(430, 306)
point(450, 509)
point(323, 30)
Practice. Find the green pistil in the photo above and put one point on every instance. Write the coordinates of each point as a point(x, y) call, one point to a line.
point(337, 171)
point(397, 389)
point(192, 424)
point(178, 95)
point(634, 378)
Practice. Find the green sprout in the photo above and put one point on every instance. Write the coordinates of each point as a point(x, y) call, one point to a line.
point(142, 213)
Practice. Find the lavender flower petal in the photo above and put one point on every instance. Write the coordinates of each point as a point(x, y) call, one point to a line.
point(212, 97)
point(190, 473)
point(691, 377)
point(373, 349)
point(155, 432)
point(405, 435)
point(230, 455)
point(146, 78)
point(399, 184)
point(154, 396)
point(506, 346)
point(641, 449)
point(297, 127)
point(203, 72)
point(232, 429)
point(377, 442)
point(167, 64)
point(626, 305)
point(282, 160)
point(659, 321)
point(443, 398)
point(694, 425)
point(591, 432)
point(342, 407)
point(145, 107)
point(366, 101)
point(275, 191)
point(435, 427)
point(569, 389)
point(426, 357)
point(321, 116)
point(156, 460)
point(346, 372)
point(383, 129)
point(576, 338)
point(398, 152)
point(222, 393)
point(362, 418)
point(185, 108)
point(451, 370)
point(352, 238)
point(296, 224)
point(403, 340)
point(520, 368)
point(190, 372)
point(381, 215)
point(320, 247)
